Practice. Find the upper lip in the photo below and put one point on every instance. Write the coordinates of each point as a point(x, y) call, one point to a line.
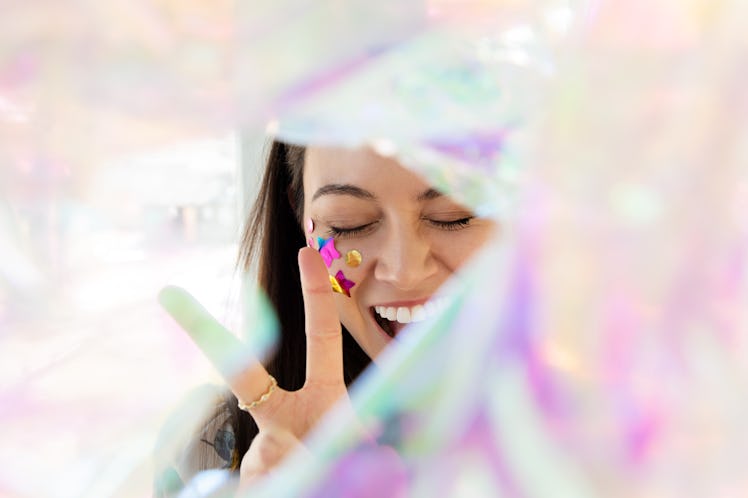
point(404, 304)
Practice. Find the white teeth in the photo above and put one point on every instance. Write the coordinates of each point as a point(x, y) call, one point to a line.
point(417, 313)
point(430, 308)
point(403, 314)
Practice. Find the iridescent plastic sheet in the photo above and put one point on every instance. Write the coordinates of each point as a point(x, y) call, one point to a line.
point(598, 346)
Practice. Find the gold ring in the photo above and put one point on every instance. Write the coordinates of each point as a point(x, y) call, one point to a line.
point(262, 398)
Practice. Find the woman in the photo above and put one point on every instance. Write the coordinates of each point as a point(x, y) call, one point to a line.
point(383, 238)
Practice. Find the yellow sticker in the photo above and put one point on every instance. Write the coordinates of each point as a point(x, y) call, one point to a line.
point(336, 285)
point(353, 258)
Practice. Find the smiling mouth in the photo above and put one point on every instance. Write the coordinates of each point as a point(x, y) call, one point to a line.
point(393, 319)
point(386, 325)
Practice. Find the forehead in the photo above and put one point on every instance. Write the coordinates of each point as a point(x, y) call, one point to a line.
point(360, 166)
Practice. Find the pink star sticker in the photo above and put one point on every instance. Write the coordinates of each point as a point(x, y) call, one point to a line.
point(345, 284)
point(328, 251)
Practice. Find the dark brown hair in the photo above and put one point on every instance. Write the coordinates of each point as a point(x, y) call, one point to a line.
point(273, 236)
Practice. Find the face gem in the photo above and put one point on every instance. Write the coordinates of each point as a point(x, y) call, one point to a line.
point(309, 225)
point(353, 258)
point(336, 285)
point(327, 250)
point(340, 284)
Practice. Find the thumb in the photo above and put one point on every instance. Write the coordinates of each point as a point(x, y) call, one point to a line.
point(268, 449)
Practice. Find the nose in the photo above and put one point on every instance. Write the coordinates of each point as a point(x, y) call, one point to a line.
point(406, 259)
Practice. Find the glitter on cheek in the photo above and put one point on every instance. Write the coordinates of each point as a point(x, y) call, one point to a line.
point(340, 284)
point(328, 251)
point(336, 285)
point(353, 258)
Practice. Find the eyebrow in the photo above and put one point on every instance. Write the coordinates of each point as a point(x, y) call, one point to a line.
point(352, 190)
point(429, 194)
point(344, 189)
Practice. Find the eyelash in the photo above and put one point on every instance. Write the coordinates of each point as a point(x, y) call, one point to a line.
point(454, 224)
point(348, 232)
point(444, 225)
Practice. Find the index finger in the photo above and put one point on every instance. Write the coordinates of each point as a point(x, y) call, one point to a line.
point(233, 359)
point(324, 342)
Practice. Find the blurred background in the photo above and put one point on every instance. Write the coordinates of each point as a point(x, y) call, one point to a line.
point(88, 356)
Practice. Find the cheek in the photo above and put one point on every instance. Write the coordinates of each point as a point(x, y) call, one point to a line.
point(347, 264)
point(352, 266)
point(456, 249)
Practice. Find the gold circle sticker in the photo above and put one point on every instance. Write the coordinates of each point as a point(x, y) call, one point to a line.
point(353, 258)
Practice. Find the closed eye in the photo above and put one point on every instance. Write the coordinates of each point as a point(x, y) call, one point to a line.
point(341, 232)
point(453, 224)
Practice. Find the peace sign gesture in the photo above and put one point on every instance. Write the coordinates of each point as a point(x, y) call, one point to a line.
point(283, 417)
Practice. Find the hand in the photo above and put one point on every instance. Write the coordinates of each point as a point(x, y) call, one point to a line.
point(285, 417)
point(268, 449)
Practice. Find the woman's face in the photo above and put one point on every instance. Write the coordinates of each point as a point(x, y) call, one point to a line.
point(410, 237)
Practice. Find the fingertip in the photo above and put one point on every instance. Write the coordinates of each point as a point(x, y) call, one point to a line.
point(163, 294)
point(170, 297)
point(306, 251)
point(311, 263)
